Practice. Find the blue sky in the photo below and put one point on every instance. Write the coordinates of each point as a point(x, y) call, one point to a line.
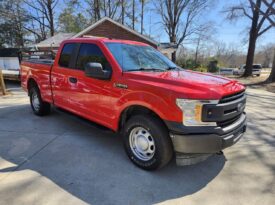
point(233, 33)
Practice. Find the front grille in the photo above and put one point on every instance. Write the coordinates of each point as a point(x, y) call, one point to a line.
point(229, 109)
point(226, 123)
point(232, 97)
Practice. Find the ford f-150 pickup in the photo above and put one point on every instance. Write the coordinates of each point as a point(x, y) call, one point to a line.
point(159, 108)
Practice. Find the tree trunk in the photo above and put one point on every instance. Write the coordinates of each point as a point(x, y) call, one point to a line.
point(97, 10)
point(197, 50)
point(253, 35)
point(51, 19)
point(133, 15)
point(104, 8)
point(173, 40)
point(109, 5)
point(122, 12)
point(250, 55)
point(174, 58)
point(271, 78)
point(142, 14)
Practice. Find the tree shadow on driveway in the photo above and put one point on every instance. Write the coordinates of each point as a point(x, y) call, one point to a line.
point(89, 162)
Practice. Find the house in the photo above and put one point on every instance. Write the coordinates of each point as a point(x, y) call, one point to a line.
point(167, 49)
point(53, 42)
point(105, 27)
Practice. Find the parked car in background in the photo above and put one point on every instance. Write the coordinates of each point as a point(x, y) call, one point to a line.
point(256, 70)
point(10, 63)
point(226, 71)
point(133, 89)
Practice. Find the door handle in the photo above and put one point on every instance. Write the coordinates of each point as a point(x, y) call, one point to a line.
point(73, 80)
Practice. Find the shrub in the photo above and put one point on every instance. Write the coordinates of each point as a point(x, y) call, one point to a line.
point(212, 66)
point(188, 64)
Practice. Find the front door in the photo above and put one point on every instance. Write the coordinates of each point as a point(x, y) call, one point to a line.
point(93, 98)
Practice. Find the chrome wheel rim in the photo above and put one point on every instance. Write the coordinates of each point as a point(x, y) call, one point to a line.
point(142, 143)
point(35, 101)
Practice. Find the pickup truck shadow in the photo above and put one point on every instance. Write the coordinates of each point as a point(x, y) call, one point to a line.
point(89, 162)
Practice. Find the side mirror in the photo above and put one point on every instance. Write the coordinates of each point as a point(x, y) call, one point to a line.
point(95, 70)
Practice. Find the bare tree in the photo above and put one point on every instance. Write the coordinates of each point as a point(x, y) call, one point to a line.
point(122, 4)
point(142, 15)
point(271, 18)
point(13, 22)
point(97, 6)
point(110, 8)
point(261, 14)
point(271, 77)
point(179, 26)
point(44, 13)
point(202, 35)
point(133, 14)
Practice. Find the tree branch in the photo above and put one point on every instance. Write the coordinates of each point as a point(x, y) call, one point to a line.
point(264, 30)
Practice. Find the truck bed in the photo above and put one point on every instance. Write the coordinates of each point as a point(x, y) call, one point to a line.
point(40, 70)
point(40, 61)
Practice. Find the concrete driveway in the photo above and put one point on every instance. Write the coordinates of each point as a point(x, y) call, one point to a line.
point(60, 159)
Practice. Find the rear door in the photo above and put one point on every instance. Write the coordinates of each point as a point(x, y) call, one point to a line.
point(63, 79)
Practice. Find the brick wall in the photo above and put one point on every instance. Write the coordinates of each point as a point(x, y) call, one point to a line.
point(110, 30)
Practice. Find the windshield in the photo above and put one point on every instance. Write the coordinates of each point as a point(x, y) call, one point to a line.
point(136, 57)
point(257, 66)
point(254, 66)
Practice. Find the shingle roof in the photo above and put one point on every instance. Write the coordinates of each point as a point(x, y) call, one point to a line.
point(116, 23)
point(55, 40)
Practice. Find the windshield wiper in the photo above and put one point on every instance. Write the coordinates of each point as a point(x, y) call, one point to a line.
point(146, 69)
point(173, 68)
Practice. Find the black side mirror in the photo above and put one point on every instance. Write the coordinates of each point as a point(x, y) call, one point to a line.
point(95, 70)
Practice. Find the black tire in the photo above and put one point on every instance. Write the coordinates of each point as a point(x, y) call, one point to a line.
point(43, 108)
point(258, 75)
point(163, 145)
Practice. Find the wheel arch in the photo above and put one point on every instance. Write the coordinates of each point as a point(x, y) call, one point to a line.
point(31, 83)
point(136, 110)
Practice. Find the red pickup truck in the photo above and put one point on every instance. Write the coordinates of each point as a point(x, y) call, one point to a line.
point(131, 88)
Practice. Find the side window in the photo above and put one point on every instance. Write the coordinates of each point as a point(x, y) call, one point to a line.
point(91, 53)
point(66, 55)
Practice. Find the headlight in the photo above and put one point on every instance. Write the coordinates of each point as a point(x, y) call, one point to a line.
point(192, 111)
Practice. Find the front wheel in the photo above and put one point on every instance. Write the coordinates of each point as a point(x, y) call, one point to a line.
point(147, 142)
point(39, 107)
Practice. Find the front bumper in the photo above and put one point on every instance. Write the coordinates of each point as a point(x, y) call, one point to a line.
point(209, 140)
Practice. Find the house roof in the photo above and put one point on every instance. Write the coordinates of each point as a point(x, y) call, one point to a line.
point(116, 23)
point(55, 40)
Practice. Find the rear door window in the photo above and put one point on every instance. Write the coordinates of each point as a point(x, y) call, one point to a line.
point(66, 56)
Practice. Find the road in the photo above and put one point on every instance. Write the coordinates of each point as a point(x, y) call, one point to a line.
point(60, 159)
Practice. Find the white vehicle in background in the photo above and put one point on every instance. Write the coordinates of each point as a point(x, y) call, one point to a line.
point(9, 63)
point(226, 71)
point(256, 70)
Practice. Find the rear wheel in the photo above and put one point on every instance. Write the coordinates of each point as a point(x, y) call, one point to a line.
point(39, 107)
point(147, 142)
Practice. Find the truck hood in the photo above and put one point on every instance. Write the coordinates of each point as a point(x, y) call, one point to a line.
point(188, 84)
